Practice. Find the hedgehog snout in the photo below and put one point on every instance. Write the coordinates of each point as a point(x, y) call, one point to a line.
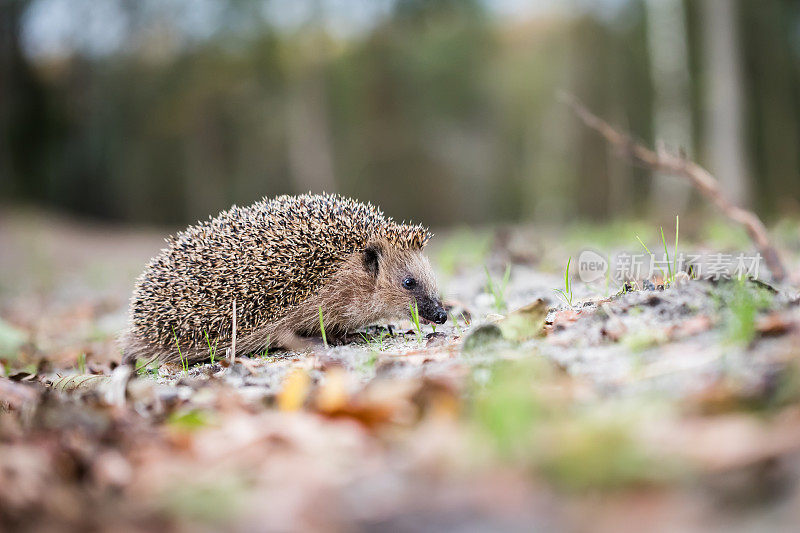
point(432, 310)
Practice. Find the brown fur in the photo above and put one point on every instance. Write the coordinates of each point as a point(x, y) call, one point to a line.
point(278, 259)
point(352, 299)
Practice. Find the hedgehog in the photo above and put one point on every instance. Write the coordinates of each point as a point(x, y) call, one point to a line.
point(285, 265)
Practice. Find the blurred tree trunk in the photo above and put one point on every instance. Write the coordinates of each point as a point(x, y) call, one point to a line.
point(207, 162)
point(669, 70)
point(9, 49)
point(587, 193)
point(774, 99)
point(23, 120)
point(723, 99)
point(308, 129)
point(310, 152)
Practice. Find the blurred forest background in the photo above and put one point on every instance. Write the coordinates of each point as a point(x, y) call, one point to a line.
point(445, 111)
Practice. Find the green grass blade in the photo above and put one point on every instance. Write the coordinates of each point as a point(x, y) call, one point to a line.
point(566, 275)
point(648, 252)
point(211, 351)
point(489, 282)
point(677, 232)
point(666, 254)
point(506, 278)
point(643, 245)
point(498, 291)
point(414, 309)
point(184, 362)
point(322, 327)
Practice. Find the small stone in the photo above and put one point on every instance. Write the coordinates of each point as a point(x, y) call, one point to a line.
point(482, 336)
point(648, 285)
point(435, 339)
point(653, 300)
point(386, 367)
point(628, 287)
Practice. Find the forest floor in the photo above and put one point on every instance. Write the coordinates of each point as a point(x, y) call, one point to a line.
point(659, 406)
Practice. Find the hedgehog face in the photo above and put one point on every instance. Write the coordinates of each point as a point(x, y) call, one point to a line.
point(403, 277)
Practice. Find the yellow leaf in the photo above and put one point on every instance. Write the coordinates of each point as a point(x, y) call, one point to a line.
point(295, 390)
point(333, 394)
point(526, 322)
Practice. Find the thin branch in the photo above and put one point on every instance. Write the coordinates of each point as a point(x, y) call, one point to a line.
point(233, 336)
point(678, 165)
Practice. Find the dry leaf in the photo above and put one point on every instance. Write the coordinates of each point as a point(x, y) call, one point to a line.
point(775, 324)
point(295, 389)
point(333, 396)
point(526, 322)
point(79, 382)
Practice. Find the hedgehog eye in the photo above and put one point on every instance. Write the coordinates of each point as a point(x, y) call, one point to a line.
point(409, 283)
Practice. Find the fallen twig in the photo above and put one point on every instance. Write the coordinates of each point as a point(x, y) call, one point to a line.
point(702, 180)
point(233, 335)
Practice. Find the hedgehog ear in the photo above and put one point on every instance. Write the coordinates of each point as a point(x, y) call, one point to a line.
point(371, 256)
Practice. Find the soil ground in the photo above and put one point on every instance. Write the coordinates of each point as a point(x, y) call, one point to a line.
point(672, 408)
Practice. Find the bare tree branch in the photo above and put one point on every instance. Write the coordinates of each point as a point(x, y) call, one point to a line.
point(702, 180)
